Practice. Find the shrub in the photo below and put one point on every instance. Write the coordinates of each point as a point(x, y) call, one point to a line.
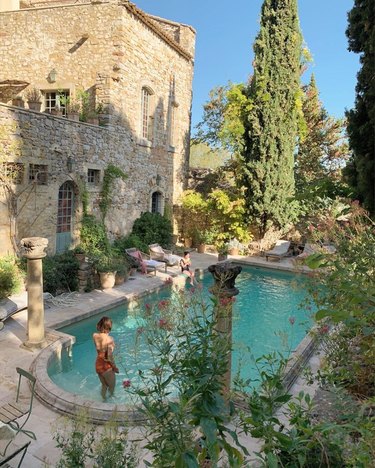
point(128, 242)
point(10, 277)
point(60, 273)
point(94, 238)
point(153, 228)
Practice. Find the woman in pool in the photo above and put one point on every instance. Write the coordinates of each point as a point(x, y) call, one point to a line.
point(185, 264)
point(105, 365)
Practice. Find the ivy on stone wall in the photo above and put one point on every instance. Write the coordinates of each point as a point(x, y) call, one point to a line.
point(110, 174)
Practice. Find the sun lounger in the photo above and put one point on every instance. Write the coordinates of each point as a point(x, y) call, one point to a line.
point(310, 249)
point(163, 255)
point(143, 261)
point(280, 250)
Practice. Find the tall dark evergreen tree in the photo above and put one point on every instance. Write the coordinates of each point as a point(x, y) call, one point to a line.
point(271, 124)
point(361, 119)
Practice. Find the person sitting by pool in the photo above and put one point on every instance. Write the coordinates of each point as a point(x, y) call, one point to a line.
point(185, 264)
point(105, 366)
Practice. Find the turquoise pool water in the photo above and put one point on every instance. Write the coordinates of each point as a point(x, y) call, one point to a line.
point(263, 310)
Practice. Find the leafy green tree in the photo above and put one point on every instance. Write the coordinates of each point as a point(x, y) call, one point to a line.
point(223, 115)
point(322, 150)
point(361, 119)
point(271, 125)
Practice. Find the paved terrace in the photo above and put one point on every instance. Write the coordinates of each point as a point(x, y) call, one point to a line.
point(42, 452)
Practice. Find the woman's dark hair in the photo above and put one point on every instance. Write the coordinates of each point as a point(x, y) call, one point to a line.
point(104, 325)
point(186, 252)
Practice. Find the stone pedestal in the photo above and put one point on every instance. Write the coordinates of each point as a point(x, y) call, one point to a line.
point(224, 289)
point(33, 250)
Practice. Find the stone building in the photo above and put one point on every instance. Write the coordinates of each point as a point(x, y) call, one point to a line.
point(132, 70)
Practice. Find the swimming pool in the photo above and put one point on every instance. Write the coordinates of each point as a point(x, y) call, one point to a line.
point(267, 317)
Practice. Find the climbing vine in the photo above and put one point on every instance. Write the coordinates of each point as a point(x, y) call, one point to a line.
point(110, 174)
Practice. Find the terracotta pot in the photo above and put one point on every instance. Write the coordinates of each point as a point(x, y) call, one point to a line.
point(93, 120)
point(80, 257)
point(233, 251)
point(107, 279)
point(201, 248)
point(36, 106)
point(188, 242)
point(73, 116)
point(120, 278)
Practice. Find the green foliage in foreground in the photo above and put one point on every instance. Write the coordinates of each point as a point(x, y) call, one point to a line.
point(10, 277)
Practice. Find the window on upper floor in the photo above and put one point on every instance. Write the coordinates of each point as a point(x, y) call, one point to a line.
point(38, 173)
point(56, 100)
point(14, 172)
point(156, 202)
point(146, 117)
point(93, 176)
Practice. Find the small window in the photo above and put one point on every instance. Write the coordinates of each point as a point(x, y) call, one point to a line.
point(146, 130)
point(156, 202)
point(14, 172)
point(93, 176)
point(38, 173)
point(56, 100)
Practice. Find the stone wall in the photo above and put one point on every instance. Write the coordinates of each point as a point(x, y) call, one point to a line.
point(111, 52)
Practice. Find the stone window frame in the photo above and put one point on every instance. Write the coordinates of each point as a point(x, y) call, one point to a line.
point(52, 103)
point(38, 174)
point(146, 127)
point(14, 171)
point(160, 208)
point(93, 176)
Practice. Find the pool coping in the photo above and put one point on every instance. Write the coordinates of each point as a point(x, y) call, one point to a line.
point(69, 403)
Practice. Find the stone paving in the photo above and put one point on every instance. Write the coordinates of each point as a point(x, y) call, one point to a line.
point(42, 452)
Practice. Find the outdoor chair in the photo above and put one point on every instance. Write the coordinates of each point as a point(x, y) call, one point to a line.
point(22, 450)
point(280, 250)
point(143, 261)
point(13, 413)
point(310, 249)
point(163, 255)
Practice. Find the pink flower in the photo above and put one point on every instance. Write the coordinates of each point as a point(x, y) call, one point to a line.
point(168, 280)
point(163, 304)
point(225, 301)
point(140, 330)
point(147, 306)
point(164, 324)
point(126, 383)
point(192, 290)
point(311, 228)
point(324, 329)
point(292, 320)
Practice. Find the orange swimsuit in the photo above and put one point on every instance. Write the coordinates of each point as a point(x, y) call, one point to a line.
point(102, 364)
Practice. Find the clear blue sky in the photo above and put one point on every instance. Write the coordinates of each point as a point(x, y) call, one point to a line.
point(225, 36)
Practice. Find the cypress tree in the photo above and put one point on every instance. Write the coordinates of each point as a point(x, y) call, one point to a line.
point(271, 123)
point(361, 119)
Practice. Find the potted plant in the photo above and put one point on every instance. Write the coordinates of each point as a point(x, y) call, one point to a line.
point(222, 251)
point(106, 267)
point(203, 238)
point(34, 99)
point(18, 101)
point(79, 253)
point(234, 247)
point(122, 271)
point(92, 118)
point(73, 108)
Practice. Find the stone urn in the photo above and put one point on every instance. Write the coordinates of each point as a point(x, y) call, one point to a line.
point(201, 248)
point(107, 279)
point(121, 278)
point(35, 106)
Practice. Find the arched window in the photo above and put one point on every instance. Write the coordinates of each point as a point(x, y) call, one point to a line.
point(156, 203)
point(146, 124)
